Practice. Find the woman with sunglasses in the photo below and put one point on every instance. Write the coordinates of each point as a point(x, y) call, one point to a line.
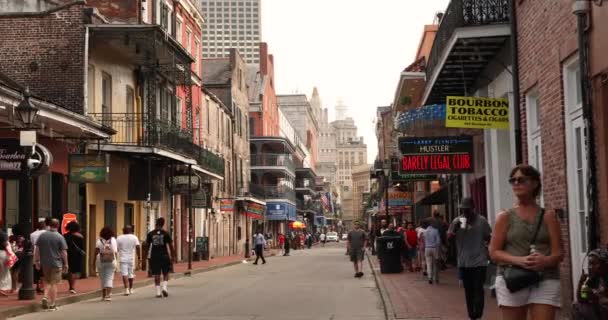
point(511, 246)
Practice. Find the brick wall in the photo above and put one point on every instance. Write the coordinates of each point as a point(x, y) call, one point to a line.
point(46, 53)
point(547, 37)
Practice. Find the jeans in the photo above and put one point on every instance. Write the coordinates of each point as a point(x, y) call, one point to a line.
point(473, 280)
point(431, 255)
point(259, 253)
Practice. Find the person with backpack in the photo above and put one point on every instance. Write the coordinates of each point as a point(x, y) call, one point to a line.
point(106, 250)
point(161, 254)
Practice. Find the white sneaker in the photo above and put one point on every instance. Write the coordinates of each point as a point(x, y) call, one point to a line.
point(127, 292)
point(131, 291)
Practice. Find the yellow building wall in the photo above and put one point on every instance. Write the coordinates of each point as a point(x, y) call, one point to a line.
point(116, 190)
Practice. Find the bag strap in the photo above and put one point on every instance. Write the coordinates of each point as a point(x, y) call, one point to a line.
point(539, 222)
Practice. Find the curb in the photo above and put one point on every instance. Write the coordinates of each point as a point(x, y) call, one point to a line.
point(389, 312)
point(36, 307)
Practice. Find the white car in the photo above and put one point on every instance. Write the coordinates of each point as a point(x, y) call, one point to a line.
point(331, 236)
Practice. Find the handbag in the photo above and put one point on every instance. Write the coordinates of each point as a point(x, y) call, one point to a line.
point(517, 278)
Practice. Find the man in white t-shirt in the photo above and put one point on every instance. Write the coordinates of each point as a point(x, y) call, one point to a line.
point(322, 237)
point(128, 244)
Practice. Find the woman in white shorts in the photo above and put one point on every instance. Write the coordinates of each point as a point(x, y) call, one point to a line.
point(510, 246)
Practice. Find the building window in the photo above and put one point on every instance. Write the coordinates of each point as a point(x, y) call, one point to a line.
point(129, 214)
point(110, 214)
point(106, 98)
point(188, 34)
point(130, 109)
point(178, 30)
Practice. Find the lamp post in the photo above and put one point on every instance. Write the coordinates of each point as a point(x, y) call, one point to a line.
point(387, 171)
point(26, 113)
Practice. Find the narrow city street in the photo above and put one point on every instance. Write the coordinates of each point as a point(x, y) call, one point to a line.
point(309, 284)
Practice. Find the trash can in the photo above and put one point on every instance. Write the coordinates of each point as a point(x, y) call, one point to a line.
point(389, 253)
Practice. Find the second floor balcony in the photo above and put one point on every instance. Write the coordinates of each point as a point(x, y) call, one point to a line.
point(272, 161)
point(138, 130)
point(273, 192)
point(471, 33)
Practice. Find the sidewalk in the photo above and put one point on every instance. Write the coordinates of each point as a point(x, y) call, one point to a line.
point(408, 295)
point(89, 288)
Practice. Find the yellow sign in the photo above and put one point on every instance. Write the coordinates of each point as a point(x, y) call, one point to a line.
point(477, 113)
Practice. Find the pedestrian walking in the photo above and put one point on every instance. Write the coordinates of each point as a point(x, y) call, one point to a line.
point(76, 253)
point(41, 227)
point(526, 240)
point(322, 237)
point(281, 240)
point(309, 240)
point(51, 255)
point(357, 241)
point(287, 243)
point(6, 262)
point(160, 254)
point(432, 245)
point(420, 257)
point(472, 233)
point(259, 242)
point(411, 245)
point(128, 250)
point(17, 245)
point(106, 251)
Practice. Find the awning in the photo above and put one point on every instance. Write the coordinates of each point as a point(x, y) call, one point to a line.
point(436, 198)
point(430, 116)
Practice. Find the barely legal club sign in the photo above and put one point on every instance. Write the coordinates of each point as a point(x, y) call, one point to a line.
point(436, 155)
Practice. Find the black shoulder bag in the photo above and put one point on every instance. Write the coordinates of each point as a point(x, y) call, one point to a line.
point(518, 278)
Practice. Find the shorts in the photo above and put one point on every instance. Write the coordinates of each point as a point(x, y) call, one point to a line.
point(52, 275)
point(160, 265)
point(356, 255)
point(546, 292)
point(126, 269)
point(412, 253)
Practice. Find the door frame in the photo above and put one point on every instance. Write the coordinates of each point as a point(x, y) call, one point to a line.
point(573, 118)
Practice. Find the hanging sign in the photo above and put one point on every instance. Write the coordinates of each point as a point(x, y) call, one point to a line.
point(226, 205)
point(89, 168)
point(399, 198)
point(477, 113)
point(13, 159)
point(254, 210)
point(66, 219)
point(436, 155)
point(179, 184)
point(202, 198)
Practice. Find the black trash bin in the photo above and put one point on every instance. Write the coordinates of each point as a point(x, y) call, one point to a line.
point(389, 254)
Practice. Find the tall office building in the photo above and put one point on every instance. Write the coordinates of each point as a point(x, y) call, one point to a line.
point(232, 24)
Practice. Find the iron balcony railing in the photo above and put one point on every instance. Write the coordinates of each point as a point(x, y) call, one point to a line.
point(274, 192)
point(305, 183)
point(465, 13)
point(136, 129)
point(254, 190)
point(272, 160)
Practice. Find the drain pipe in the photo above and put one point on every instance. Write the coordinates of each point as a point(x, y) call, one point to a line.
point(515, 84)
point(582, 8)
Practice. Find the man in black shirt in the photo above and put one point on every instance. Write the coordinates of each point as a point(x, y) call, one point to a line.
point(160, 251)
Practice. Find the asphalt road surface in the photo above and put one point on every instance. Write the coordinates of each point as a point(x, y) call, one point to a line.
point(310, 284)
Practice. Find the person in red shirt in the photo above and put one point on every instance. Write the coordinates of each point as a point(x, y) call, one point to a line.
point(411, 243)
point(282, 243)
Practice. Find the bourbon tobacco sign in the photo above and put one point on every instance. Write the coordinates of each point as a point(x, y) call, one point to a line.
point(436, 155)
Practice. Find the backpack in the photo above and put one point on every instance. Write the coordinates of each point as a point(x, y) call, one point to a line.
point(106, 254)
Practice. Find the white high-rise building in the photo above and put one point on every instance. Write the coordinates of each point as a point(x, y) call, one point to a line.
point(232, 24)
point(341, 110)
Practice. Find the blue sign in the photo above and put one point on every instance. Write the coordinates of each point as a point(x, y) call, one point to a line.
point(280, 211)
point(320, 221)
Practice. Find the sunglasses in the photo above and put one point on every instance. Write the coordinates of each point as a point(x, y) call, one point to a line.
point(519, 180)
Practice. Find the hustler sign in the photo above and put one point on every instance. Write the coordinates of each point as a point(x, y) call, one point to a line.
point(436, 155)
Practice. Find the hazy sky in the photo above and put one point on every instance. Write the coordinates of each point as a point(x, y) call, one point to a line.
point(351, 50)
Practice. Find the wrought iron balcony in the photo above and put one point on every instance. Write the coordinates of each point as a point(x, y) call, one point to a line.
point(465, 13)
point(274, 192)
point(135, 129)
point(272, 160)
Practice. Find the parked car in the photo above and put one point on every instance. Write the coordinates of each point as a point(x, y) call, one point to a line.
point(332, 236)
point(344, 236)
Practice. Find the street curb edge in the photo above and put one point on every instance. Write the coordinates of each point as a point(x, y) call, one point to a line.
point(389, 312)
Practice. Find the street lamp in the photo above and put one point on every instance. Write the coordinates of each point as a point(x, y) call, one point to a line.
point(387, 172)
point(26, 112)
